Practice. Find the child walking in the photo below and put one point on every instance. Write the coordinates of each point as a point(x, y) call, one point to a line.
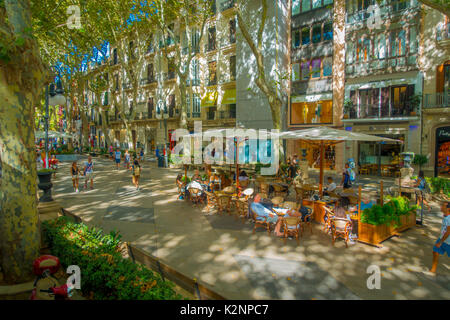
point(117, 157)
point(75, 172)
point(136, 173)
point(89, 173)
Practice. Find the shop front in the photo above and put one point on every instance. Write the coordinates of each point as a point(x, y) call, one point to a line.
point(442, 156)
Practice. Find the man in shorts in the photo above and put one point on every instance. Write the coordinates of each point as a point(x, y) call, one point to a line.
point(89, 172)
point(442, 245)
point(117, 157)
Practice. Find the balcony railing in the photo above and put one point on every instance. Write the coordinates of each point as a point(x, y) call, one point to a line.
point(147, 80)
point(126, 85)
point(443, 32)
point(374, 112)
point(196, 114)
point(225, 5)
point(193, 82)
point(437, 100)
point(211, 46)
point(169, 75)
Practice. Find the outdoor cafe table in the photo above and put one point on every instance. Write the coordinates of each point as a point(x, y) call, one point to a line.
point(318, 207)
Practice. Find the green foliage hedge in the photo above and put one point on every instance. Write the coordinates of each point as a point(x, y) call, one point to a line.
point(389, 213)
point(105, 274)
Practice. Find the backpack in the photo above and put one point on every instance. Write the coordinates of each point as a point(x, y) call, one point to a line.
point(137, 171)
point(351, 174)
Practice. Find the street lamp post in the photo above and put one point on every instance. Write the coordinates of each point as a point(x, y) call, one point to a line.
point(162, 114)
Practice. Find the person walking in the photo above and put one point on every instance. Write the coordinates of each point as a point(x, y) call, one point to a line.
point(75, 171)
point(442, 244)
point(421, 184)
point(127, 159)
point(141, 155)
point(117, 157)
point(111, 150)
point(346, 182)
point(89, 172)
point(136, 173)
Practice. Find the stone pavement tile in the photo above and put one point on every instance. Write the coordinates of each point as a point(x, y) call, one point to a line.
point(284, 279)
point(130, 214)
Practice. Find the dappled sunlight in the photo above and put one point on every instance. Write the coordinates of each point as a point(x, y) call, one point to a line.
point(223, 252)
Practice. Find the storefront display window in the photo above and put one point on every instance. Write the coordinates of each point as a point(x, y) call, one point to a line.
point(312, 112)
point(442, 166)
point(375, 156)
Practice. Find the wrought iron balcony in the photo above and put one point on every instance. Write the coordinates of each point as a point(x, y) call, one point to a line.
point(147, 80)
point(437, 100)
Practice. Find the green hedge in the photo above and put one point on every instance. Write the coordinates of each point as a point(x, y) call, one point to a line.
point(103, 270)
point(389, 213)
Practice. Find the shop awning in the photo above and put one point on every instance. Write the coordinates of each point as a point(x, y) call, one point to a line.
point(229, 97)
point(210, 99)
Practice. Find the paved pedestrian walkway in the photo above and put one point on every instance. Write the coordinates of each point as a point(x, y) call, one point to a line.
point(225, 254)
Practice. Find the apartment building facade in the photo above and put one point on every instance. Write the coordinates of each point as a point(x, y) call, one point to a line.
point(435, 63)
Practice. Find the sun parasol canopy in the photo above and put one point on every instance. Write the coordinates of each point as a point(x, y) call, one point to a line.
point(330, 134)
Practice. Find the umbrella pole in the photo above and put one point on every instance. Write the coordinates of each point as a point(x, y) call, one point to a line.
point(321, 170)
point(381, 193)
point(185, 173)
point(237, 164)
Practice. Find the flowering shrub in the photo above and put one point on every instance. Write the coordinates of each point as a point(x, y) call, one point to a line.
point(105, 274)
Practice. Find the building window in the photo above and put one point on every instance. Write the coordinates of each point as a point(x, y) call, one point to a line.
point(295, 72)
point(363, 49)
point(150, 72)
point(306, 5)
point(232, 67)
point(295, 7)
point(196, 102)
point(306, 37)
point(233, 31)
point(316, 33)
point(315, 68)
point(188, 105)
point(398, 5)
point(115, 56)
point(212, 39)
point(328, 31)
point(400, 98)
point(212, 76)
point(413, 39)
point(305, 70)
point(398, 43)
point(327, 66)
point(368, 103)
point(195, 74)
point(380, 46)
point(150, 107)
point(316, 4)
point(312, 112)
point(296, 42)
point(327, 2)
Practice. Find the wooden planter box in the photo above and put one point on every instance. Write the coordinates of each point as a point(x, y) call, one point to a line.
point(374, 235)
point(407, 221)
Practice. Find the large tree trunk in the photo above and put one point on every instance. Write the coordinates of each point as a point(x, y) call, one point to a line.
point(19, 233)
point(85, 130)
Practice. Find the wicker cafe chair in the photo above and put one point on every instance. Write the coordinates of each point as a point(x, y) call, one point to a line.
point(340, 228)
point(212, 200)
point(298, 194)
point(196, 196)
point(279, 191)
point(264, 188)
point(329, 215)
point(307, 219)
point(292, 227)
point(223, 202)
point(259, 221)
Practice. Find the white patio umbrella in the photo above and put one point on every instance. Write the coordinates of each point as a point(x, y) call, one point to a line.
point(326, 136)
point(224, 132)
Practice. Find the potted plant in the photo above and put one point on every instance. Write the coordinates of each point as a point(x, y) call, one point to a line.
point(414, 103)
point(45, 184)
point(420, 160)
point(348, 108)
